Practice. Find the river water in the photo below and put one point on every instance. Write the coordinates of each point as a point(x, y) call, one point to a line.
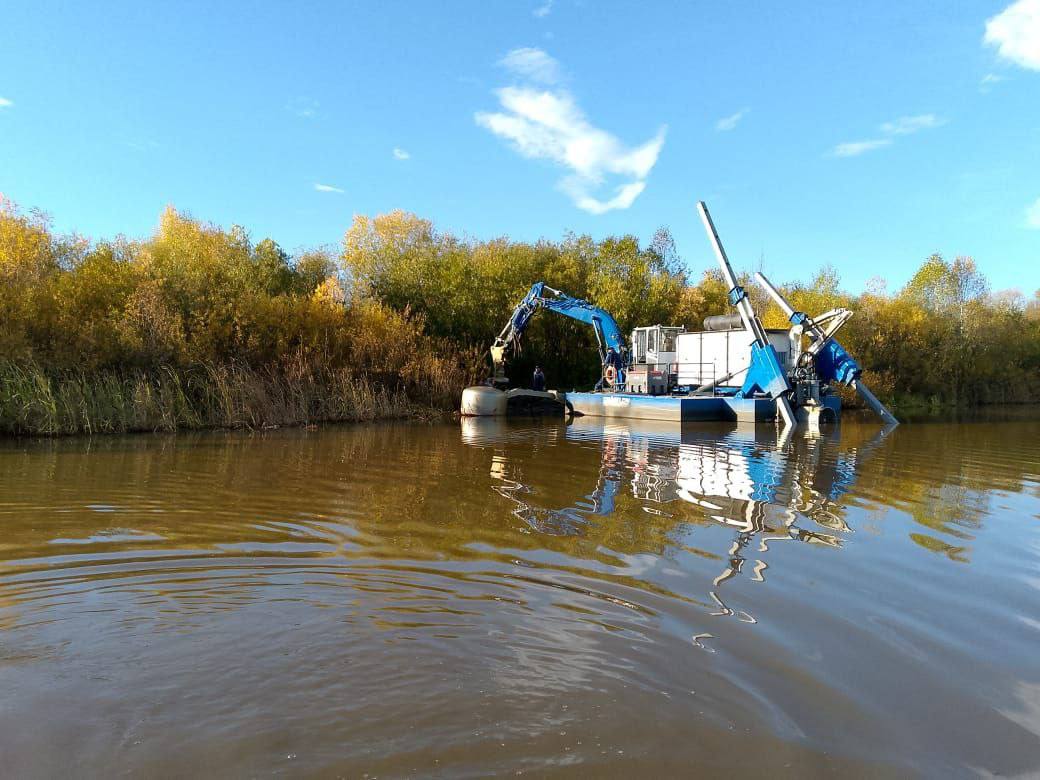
point(495, 598)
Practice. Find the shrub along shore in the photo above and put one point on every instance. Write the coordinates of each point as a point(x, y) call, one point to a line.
point(199, 326)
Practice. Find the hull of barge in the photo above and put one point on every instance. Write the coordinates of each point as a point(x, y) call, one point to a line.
point(673, 408)
point(482, 401)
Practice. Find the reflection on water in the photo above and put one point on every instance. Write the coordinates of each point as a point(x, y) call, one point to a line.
point(753, 480)
point(582, 598)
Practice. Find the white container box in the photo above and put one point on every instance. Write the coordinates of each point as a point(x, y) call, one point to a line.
point(706, 356)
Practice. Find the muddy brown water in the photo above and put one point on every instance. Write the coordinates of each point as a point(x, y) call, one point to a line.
point(540, 598)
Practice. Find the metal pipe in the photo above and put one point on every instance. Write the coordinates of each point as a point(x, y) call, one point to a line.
point(738, 297)
point(747, 314)
point(774, 293)
point(872, 401)
point(785, 411)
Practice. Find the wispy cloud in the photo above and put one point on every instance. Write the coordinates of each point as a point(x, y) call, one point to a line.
point(401, 154)
point(543, 10)
point(731, 121)
point(533, 64)
point(907, 125)
point(1015, 32)
point(327, 188)
point(904, 125)
point(5, 103)
point(303, 107)
point(625, 195)
point(986, 82)
point(1033, 215)
point(549, 125)
point(855, 148)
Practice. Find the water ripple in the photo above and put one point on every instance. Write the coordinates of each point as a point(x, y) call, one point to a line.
point(605, 597)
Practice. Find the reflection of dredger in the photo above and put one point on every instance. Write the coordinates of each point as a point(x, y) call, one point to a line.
point(752, 480)
point(723, 461)
point(732, 471)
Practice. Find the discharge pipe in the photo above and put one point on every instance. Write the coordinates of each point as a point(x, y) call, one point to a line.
point(872, 401)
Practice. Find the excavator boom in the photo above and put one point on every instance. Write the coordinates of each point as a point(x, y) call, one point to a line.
point(611, 341)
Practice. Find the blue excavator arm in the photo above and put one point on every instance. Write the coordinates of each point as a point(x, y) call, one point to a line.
point(612, 350)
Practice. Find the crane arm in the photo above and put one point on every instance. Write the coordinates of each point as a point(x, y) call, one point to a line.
point(609, 337)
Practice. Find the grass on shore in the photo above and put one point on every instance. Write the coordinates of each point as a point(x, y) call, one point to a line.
point(37, 402)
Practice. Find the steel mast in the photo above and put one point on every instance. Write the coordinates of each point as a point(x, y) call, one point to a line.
point(763, 351)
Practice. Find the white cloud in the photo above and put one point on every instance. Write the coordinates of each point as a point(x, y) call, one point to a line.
point(327, 188)
point(533, 64)
point(303, 107)
point(855, 148)
point(1033, 215)
point(401, 154)
point(729, 122)
point(5, 103)
point(576, 188)
point(906, 125)
point(1015, 32)
point(549, 125)
point(543, 10)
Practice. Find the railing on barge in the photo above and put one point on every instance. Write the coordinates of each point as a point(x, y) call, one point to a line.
point(708, 381)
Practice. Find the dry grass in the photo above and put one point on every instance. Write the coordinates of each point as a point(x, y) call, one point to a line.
point(37, 402)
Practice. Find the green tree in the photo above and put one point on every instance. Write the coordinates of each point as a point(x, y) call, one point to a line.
point(274, 276)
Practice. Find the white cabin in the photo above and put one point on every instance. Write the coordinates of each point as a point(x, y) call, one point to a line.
point(655, 345)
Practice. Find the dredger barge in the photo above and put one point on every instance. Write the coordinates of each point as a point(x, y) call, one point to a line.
point(733, 370)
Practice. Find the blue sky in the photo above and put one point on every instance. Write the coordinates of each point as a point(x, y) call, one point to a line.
point(866, 136)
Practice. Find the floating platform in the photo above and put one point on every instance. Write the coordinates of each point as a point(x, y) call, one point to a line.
point(485, 401)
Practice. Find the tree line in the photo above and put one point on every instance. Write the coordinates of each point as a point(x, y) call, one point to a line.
point(408, 312)
point(944, 338)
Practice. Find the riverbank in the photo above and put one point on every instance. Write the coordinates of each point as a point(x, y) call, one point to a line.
point(41, 403)
point(198, 326)
point(35, 402)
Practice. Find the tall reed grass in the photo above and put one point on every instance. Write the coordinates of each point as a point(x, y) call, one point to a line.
point(34, 401)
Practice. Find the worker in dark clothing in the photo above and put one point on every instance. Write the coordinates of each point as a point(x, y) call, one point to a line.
point(538, 380)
